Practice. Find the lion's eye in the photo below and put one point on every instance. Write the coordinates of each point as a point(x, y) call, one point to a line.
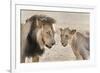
point(48, 32)
point(60, 35)
point(66, 35)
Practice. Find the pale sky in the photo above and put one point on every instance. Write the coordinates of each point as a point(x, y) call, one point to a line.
point(63, 19)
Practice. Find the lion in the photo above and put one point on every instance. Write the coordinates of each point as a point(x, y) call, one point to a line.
point(41, 34)
point(78, 42)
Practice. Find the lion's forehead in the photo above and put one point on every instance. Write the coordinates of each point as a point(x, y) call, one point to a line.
point(48, 27)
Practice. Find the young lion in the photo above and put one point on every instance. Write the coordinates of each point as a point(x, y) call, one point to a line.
point(79, 43)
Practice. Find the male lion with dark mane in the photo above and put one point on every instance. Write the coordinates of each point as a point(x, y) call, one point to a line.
point(41, 33)
point(79, 42)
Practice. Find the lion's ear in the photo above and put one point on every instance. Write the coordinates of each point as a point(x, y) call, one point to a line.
point(72, 31)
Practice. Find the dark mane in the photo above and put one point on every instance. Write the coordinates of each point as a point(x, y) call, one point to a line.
point(32, 47)
point(42, 18)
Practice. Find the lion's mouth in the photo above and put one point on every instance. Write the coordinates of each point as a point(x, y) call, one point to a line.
point(48, 46)
point(64, 45)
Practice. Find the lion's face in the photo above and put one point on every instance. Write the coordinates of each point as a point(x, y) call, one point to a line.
point(66, 36)
point(48, 36)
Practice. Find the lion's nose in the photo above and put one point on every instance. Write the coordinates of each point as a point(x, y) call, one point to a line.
point(53, 42)
point(62, 43)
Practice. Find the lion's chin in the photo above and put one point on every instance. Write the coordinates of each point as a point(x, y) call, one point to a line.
point(48, 46)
